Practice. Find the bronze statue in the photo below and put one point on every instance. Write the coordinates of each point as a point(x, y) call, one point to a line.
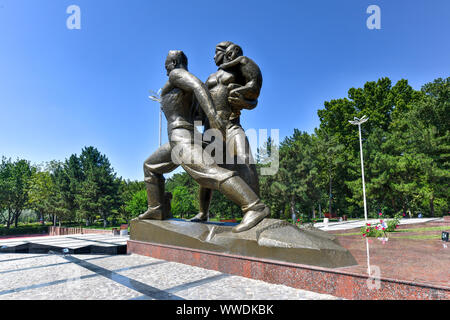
point(235, 86)
point(178, 98)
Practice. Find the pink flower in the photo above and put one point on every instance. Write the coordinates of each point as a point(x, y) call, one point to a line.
point(380, 214)
point(364, 234)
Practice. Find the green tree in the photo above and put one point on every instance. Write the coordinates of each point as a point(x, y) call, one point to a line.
point(64, 205)
point(71, 186)
point(418, 149)
point(128, 190)
point(41, 192)
point(182, 202)
point(6, 186)
point(264, 158)
point(382, 103)
point(99, 191)
point(136, 205)
point(297, 185)
point(330, 158)
point(14, 184)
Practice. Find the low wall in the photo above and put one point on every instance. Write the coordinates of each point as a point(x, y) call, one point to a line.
point(63, 231)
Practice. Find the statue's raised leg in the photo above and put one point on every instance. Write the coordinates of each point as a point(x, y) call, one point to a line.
point(236, 190)
point(209, 175)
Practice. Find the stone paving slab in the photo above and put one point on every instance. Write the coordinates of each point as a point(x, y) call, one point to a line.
point(69, 241)
point(128, 277)
point(75, 244)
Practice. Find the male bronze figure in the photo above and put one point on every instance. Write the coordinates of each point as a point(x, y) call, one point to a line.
point(235, 86)
point(178, 98)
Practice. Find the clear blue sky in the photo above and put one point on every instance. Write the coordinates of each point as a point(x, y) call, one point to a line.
point(61, 90)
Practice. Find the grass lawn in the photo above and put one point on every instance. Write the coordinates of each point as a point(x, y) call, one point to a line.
point(439, 228)
point(421, 237)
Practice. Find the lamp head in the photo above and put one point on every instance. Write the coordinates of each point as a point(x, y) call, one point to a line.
point(357, 121)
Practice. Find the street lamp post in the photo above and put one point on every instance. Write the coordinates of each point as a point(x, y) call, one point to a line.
point(160, 120)
point(358, 122)
point(156, 96)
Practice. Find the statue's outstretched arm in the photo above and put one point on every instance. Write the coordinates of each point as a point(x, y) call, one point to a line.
point(233, 63)
point(188, 82)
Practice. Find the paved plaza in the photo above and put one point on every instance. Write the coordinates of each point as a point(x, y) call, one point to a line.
point(351, 224)
point(53, 275)
point(128, 277)
point(75, 244)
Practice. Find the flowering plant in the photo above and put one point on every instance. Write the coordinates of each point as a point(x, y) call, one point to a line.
point(380, 229)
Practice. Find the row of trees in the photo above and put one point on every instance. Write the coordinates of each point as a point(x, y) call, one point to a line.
point(406, 158)
point(406, 145)
point(82, 188)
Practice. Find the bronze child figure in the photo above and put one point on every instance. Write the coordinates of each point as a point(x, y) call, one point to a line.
point(236, 85)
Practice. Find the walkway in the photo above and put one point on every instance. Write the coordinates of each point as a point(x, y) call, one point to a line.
point(75, 244)
point(128, 277)
point(351, 224)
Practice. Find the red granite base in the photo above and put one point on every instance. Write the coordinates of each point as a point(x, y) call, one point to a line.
point(336, 282)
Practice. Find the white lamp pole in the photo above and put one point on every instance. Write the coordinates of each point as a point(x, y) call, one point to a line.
point(157, 97)
point(160, 120)
point(358, 122)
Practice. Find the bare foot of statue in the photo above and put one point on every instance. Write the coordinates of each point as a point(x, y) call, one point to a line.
point(200, 217)
point(251, 219)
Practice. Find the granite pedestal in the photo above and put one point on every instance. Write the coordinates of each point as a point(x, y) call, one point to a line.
point(271, 239)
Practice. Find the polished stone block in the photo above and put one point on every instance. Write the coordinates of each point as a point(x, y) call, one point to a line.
point(270, 239)
point(343, 282)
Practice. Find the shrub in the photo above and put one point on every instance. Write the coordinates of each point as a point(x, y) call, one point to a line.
point(32, 229)
point(393, 223)
point(380, 229)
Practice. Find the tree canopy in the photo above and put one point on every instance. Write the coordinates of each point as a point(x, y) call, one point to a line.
point(406, 149)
